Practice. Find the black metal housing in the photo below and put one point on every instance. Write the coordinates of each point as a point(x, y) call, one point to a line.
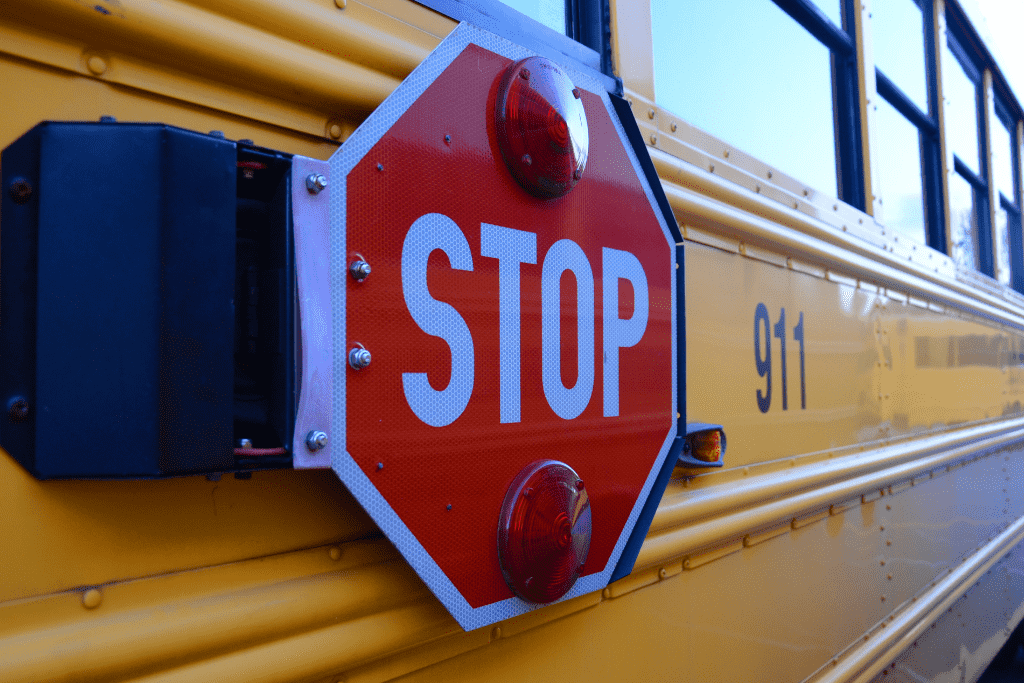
point(119, 335)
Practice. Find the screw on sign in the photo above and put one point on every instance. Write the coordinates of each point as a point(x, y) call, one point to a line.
point(521, 321)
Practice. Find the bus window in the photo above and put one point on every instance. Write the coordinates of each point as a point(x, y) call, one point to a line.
point(905, 132)
point(898, 166)
point(748, 73)
point(551, 13)
point(1007, 211)
point(965, 235)
point(833, 9)
point(970, 231)
point(897, 30)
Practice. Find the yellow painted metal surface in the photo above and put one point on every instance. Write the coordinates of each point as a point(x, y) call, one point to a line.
point(835, 537)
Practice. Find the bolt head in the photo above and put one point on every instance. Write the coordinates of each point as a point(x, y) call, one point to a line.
point(359, 358)
point(359, 270)
point(316, 440)
point(316, 183)
point(20, 190)
point(18, 409)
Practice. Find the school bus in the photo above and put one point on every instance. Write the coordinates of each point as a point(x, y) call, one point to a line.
point(845, 177)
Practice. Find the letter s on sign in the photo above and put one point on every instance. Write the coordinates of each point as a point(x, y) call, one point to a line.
point(429, 232)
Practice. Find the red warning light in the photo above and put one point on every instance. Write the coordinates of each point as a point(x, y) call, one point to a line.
point(544, 531)
point(541, 127)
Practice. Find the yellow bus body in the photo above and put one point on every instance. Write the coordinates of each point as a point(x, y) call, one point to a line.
point(871, 536)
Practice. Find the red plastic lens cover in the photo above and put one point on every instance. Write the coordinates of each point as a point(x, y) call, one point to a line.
point(541, 127)
point(544, 531)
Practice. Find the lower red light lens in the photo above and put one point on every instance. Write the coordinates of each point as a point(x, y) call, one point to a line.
point(544, 531)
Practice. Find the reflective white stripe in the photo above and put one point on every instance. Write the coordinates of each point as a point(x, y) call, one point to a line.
point(565, 255)
point(511, 248)
point(619, 333)
point(429, 232)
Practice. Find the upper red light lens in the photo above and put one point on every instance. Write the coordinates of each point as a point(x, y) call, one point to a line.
point(544, 531)
point(541, 127)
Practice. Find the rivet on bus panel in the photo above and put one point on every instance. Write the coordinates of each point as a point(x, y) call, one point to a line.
point(97, 65)
point(92, 598)
point(334, 553)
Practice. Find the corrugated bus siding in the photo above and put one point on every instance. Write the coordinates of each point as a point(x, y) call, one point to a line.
point(812, 554)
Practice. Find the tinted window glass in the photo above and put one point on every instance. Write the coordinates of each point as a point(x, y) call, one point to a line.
point(963, 224)
point(746, 72)
point(897, 27)
point(1002, 159)
point(551, 13)
point(898, 158)
point(962, 110)
point(1002, 239)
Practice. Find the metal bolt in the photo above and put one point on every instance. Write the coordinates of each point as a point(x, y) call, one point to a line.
point(524, 74)
point(449, 508)
point(527, 159)
point(245, 443)
point(107, 119)
point(576, 93)
point(316, 440)
point(316, 182)
point(359, 270)
point(17, 408)
point(447, 139)
point(20, 190)
point(217, 134)
point(380, 466)
point(359, 358)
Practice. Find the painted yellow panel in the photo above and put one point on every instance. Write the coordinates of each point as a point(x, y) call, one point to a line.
point(840, 530)
point(876, 363)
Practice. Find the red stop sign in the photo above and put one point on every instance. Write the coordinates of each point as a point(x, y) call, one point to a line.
point(503, 328)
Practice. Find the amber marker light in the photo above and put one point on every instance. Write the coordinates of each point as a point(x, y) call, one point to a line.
point(544, 531)
point(707, 446)
point(703, 446)
point(541, 127)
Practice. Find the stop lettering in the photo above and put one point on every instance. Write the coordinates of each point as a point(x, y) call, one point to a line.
point(512, 248)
